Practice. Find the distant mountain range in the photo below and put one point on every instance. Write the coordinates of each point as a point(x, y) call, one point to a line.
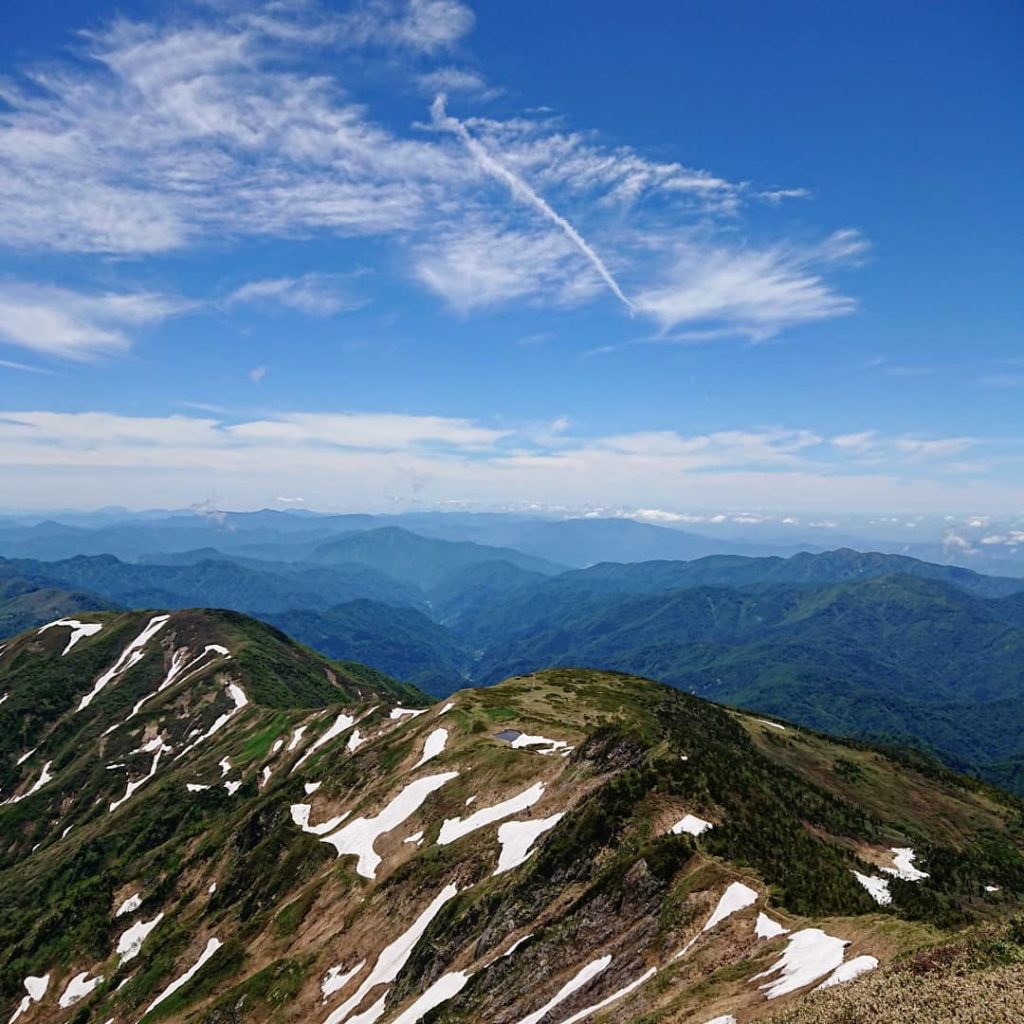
point(867, 644)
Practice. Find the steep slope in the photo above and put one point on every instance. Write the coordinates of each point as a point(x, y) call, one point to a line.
point(399, 641)
point(555, 847)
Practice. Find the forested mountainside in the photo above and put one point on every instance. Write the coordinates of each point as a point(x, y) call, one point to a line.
point(877, 646)
point(204, 821)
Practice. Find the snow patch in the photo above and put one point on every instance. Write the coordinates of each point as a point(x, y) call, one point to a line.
point(156, 747)
point(434, 745)
point(337, 727)
point(358, 836)
point(446, 708)
point(877, 887)
point(36, 988)
point(766, 928)
point(445, 988)
point(238, 697)
point(903, 865)
point(848, 971)
point(296, 738)
point(233, 787)
point(517, 839)
point(44, 778)
point(737, 897)
point(78, 988)
point(300, 815)
point(416, 837)
point(130, 942)
point(810, 955)
point(211, 947)
point(390, 963)
point(691, 825)
point(515, 945)
point(129, 906)
point(335, 979)
point(455, 828)
point(774, 725)
point(130, 656)
point(311, 787)
point(582, 976)
point(179, 670)
point(195, 787)
point(613, 998)
point(78, 631)
point(397, 713)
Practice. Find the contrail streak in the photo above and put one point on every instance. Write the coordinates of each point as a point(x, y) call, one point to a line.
point(519, 188)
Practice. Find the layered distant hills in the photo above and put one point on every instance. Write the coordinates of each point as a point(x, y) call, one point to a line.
point(874, 645)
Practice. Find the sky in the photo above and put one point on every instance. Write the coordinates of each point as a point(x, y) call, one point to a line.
point(398, 254)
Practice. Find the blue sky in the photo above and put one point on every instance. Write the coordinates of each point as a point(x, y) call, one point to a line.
point(408, 253)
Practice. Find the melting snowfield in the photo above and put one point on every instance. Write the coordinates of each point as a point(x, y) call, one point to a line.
point(877, 887)
point(810, 955)
point(434, 745)
point(691, 825)
point(131, 940)
point(337, 727)
point(390, 963)
point(44, 778)
point(335, 979)
point(78, 988)
point(130, 656)
point(613, 998)
point(358, 836)
point(766, 928)
point(78, 631)
point(129, 906)
point(447, 986)
point(156, 747)
point(238, 697)
point(517, 839)
point(300, 815)
point(903, 865)
point(211, 947)
point(851, 969)
point(582, 976)
point(180, 669)
point(737, 897)
point(455, 828)
point(36, 989)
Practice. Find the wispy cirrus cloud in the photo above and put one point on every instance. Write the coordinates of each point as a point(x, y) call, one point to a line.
point(311, 294)
point(76, 325)
point(752, 292)
point(236, 123)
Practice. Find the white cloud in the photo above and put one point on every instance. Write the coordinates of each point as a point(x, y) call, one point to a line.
point(375, 459)
point(454, 80)
point(75, 325)
point(312, 294)
point(475, 265)
point(522, 191)
point(754, 292)
point(235, 123)
point(424, 25)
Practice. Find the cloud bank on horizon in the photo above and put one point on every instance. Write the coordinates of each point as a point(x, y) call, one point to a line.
point(235, 129)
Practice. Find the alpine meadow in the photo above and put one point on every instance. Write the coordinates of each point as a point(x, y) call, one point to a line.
point(511, 513)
